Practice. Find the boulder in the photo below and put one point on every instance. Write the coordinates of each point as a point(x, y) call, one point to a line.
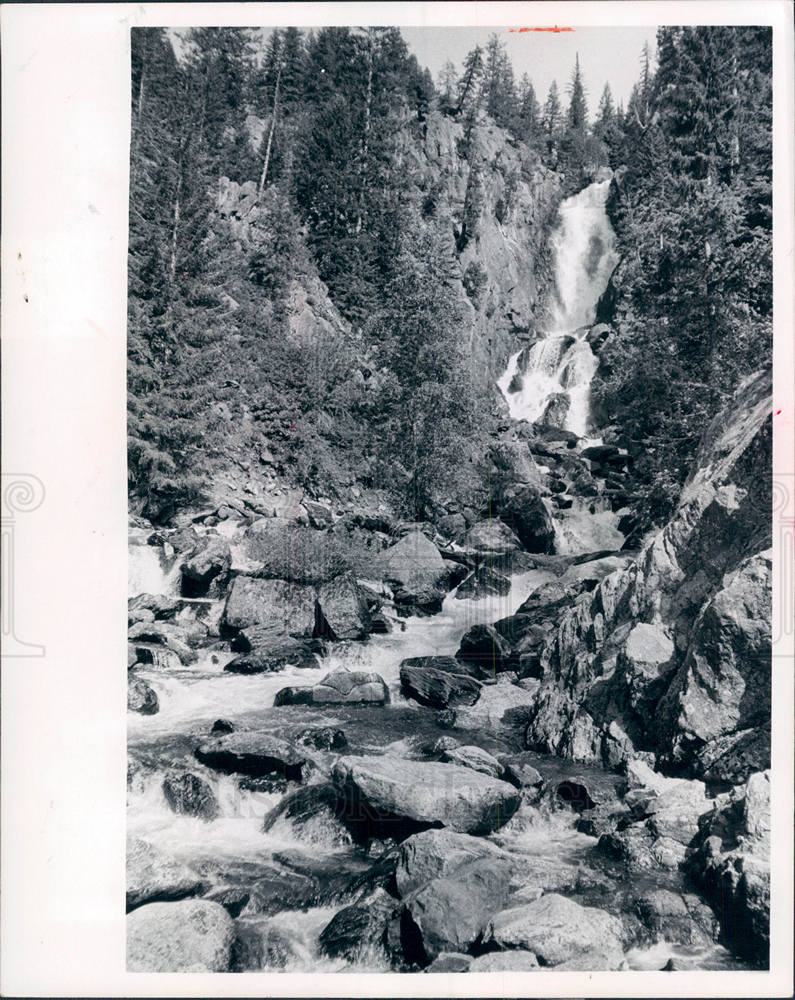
point(341, 611)
point(222, 726)
point(432, 854)
point(484, 646)
point(208, 561)
point(141, 697)
point(193, 935)
point(679, 918)
point(519, 770)
point(524, 510)
point(152, 876)
point(438, 688)
point(270, 651)
point(320, 514)
point(424, 793)
point(164, 634)
point(491, 536)
point(450, 913)
point(341, 687)
point(161, 606)
point(278, 889)
point(556, 410)
point(415, 570)
point(252, 601)
point(476, 758)
point(671, 807)
point(499, 707)
point(483, 582)
point(450, 961)
point(252, 753)
point(557, 929)
point(190, 795)
point(359, 928)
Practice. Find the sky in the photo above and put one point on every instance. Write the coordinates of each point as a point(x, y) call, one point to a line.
point(606, 54)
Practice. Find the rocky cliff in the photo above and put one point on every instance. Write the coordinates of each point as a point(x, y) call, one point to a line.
point(669, 657)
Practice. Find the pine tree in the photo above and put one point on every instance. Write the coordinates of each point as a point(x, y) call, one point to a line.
point(447, 84)
point(529, 126)
point(552, 118)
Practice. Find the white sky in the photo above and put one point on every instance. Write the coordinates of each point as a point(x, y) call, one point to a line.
point(606, 54)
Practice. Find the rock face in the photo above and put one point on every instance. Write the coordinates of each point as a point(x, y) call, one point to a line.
point(190, 936)
point(424, 794)
point(670, 655)
point(288, 606)
point(342, 687)
point(732, 865)
point(556, 929)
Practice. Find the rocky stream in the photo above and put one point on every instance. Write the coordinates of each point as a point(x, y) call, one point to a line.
point(520, 738)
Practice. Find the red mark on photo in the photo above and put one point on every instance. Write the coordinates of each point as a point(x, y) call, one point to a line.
point(554, 29)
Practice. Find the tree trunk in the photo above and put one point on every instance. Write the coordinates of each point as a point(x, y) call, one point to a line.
point(264, 175)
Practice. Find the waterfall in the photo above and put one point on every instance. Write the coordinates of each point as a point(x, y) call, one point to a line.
point(147, 572)
point(550, 381)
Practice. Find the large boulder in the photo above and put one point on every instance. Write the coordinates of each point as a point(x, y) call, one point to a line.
point(194, 935)
point(252, 753)
point(432, 854)
point(359, 928)
point(670, 807)
point(209, 561)
point(485, 646)
point(341, 687)
point(438, 688)
point(450, 913)
point(501, 706)
point(484, 581)
point(557, 929)
point(491, 536)
point(415, 570)
point(152, 875)
point(476, 758)
point(524, 510)
point(252, 601)
point(268, 648)
point(424, 793)
point(342, 611)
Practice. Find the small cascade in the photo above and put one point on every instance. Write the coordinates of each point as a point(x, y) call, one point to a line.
point(149, 573)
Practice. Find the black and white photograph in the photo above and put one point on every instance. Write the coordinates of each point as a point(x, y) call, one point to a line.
point(449, 440)
point(408, 391)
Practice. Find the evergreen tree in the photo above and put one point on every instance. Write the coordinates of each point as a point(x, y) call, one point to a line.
point(552, 121)
point(448, 85)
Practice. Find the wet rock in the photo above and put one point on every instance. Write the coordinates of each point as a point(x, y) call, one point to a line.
point(208, 561)
point(141, 697)
point(380, 624)
point(438, 688)
point(232, 898)
point(556, 930)
point(450, 961)
point(450, 913)
point(341, 611)
point(193, 935)
point(152, 876)
point(259, 946)
point(433, 854)
point(415, 570)
point(254, 754)
point(287, 606)
point(520, 771)
point(161, 605)
point(500, 707)
point(525, 511)
point(323, 738)
point(341, 687)
point(306, 807)
point(483, 645)
point(483, 582)
point(278, 890)
point(504, 961)
point(190, 795)
point(222, 726)
point(476, 758)
point(732, 865)
point(359, 928)
point(491, 536)
point(676, 917)
point(161, 634)
point(279, 652)
point(424, 793)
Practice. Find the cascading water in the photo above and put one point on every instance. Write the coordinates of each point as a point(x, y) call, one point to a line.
point(550, 381)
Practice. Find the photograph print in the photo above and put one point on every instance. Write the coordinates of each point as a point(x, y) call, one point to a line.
point(449, 450)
